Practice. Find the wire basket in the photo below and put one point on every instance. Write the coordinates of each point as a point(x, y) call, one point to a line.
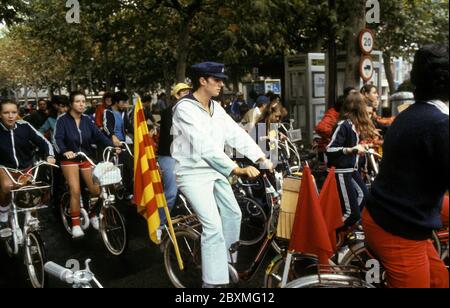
point(29, 197)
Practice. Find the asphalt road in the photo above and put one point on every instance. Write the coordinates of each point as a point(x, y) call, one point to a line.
point(141, 266)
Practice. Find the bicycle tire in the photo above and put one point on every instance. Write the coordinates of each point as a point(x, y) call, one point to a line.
point(113, 230)
point(254, 221)
point(328, 281)
point(190, 249)
point(35, 257)
point(300, 266)
point(357, 255)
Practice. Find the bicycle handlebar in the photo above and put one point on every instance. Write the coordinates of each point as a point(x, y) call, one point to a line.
point(36, 167)
point(79, 279)
point(56, 270)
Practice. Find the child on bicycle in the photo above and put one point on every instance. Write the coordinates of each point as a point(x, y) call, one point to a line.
point(19, 140)
point(343, 153)
point(75, 132)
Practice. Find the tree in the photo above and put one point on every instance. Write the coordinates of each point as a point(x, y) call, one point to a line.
point(407, 25)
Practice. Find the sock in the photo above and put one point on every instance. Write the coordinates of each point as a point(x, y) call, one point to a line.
point(75, 219)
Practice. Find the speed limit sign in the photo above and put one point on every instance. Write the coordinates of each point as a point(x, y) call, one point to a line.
point(366, 41)
point(366, 68)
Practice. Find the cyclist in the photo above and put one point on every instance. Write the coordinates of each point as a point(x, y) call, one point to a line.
point(165, 159)
point(202, 167)
point(116, 126)
point(18, 142)
point(75, 132)
point(106, 102)
point(343, 153)
point(404, 205)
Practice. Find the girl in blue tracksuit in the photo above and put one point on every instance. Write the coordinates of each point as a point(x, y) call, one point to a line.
point(75, 132)
point(343, 153)
point(18, 142)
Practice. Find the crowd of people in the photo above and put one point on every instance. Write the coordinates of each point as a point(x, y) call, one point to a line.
point(398, 214)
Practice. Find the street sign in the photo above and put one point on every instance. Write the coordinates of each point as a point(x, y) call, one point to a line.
point(366, 41)
point(366, 68)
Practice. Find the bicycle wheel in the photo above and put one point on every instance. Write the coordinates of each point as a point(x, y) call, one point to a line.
point(12, 242)
point(189, 244)
point(329, 281)
point(301, 265)
point(254, 221)
point(113, 230)
point(66, 218)
point(35, 258)
point(436, 243)
point(358, 255)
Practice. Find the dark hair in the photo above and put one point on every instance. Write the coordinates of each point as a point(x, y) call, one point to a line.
point(72, 96)
point(106, 95)
point(8, 102)
point(340, 101)
point(347, 91)
point(60, 100)
point(430, 73)
point(119, 96)
point(367, 88)
point(146, 98)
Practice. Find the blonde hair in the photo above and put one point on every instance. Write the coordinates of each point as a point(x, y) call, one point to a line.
point(355, 110)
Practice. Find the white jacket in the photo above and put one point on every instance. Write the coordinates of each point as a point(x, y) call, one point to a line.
point(200, 139)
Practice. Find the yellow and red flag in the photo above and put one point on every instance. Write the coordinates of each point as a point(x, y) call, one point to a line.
point(148, 188)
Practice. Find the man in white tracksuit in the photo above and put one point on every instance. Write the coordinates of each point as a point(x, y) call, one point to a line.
point(201, 129)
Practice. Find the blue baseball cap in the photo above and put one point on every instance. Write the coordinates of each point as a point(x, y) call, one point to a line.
point(210, 69)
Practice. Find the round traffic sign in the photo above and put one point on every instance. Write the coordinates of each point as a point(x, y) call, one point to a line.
point(366, 41)
point(366, 68)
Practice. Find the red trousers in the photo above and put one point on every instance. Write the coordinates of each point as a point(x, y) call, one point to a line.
point(409, 264)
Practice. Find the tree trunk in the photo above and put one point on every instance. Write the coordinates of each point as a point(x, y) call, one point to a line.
point(182, 52)
point(332, 61)
point(357, 23)
point(167, 79)
point(388, 71)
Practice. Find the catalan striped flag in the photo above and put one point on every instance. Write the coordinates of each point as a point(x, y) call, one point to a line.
point(148, 188)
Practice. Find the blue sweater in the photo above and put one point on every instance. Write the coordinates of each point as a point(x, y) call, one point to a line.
point(68, 137)
point(406, 198)
point(344, 136)
point(17, 145)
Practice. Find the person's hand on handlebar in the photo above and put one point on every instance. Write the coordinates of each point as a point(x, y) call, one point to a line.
point(357, 150)
point(51, 160)
point(70, 155)
point(250, 172)
point(116, 141)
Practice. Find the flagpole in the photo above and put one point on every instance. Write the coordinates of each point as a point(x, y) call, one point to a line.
point(174, 239)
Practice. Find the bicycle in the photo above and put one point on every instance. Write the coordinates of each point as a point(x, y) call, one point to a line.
point(27, 196)
point(78, 279)
point(188, 234)
point(112, 223)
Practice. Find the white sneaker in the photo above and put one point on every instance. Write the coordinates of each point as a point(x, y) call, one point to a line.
point(95, 222)
point(77, 232)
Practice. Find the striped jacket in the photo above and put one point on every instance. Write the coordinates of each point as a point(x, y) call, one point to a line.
point(18, 144)
point(344, 136)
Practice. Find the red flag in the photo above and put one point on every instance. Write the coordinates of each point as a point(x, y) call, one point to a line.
point(331, 206)
point(309, 233)
point(148, 188)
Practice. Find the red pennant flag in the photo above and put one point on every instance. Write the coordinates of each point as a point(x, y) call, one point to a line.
point(331, 207)
point(309, 233)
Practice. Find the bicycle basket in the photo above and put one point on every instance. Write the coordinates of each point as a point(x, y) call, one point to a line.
point(107, 174)
point(31, 196)
point(289, 201)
